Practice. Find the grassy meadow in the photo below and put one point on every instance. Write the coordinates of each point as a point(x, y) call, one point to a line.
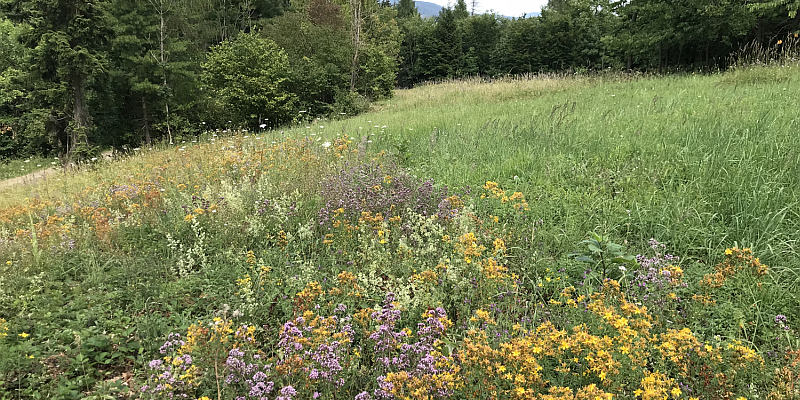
point(563, 237)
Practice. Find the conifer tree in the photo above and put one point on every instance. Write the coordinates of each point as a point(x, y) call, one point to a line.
point(68, 40)
point(406, 9)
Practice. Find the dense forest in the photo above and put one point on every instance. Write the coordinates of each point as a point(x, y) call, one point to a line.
point(78, 75)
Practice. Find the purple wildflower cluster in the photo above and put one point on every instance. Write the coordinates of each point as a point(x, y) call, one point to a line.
point(782, 322)
point(167, 378)
point(253, 375)
point(653, 285)
point(325, 361)
point(380, 188)
point(651, 275)
point(417, 358)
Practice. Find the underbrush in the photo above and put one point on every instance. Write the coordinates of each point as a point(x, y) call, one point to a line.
point(303, 268)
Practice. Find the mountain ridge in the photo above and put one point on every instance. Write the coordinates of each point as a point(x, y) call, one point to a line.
point(427, 9)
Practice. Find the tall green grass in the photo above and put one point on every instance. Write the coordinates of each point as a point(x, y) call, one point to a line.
point(701, 162)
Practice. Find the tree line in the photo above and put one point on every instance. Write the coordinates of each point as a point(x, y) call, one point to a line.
point(76, 75)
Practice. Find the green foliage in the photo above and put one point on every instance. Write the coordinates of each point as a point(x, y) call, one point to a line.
point(406, 9)
point(249, 74)
point(791, 6)
point(602, 253)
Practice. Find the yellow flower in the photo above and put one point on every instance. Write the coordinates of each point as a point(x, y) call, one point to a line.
point(9, 262)
point(23, 335)
point(676, 392)
point(520, 391)
point(728, 252)
point(779, 42)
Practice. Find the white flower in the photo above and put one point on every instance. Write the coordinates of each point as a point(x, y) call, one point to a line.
point(94, 158)
point(326, 144)
point(623, 269)
point(262, 126)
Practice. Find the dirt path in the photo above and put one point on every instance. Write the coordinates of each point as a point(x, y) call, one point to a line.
point(34, 177)
point(29, 178)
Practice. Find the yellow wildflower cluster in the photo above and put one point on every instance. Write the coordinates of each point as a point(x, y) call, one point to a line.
point(657, 386)
point(618, 345)
point(407, 386)
point(787, 379)
point(736, 260)
point(469, 247)
point(306, 297)
point(516, 199)
point(3, 328)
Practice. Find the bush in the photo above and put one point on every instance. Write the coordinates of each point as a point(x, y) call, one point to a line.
point(248, 75)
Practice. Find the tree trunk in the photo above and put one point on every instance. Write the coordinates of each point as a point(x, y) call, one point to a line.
point(163, 60)
point(660, 58)
point(146, 121)
point(80, 116)
point(356, 8)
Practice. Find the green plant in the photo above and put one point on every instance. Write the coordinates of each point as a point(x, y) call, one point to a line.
point(249, 74)
point(603, 253)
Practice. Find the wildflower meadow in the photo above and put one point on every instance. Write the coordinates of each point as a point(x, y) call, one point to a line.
point(643, 250)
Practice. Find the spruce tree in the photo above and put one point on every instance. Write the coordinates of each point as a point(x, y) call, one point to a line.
point(406, 9)
point(460, 10)
point(68, 40)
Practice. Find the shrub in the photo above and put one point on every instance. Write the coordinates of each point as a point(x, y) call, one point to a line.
point(249, 74)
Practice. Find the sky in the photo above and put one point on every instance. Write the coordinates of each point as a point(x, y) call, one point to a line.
point(511, 8)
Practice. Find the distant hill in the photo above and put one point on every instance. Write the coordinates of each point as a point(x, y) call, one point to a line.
point(428, 9)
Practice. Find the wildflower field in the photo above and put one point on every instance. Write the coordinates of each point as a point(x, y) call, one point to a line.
point(547, 238)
